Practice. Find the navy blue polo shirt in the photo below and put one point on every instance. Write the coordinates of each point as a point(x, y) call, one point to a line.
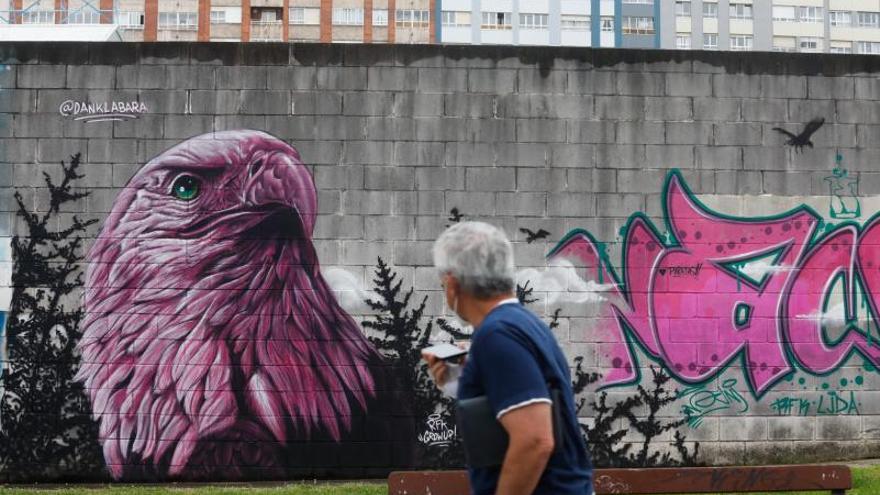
point(513, 356)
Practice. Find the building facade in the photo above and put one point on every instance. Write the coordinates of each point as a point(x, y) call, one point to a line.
point(606, 23)
point(835, 26)
point(347, 21)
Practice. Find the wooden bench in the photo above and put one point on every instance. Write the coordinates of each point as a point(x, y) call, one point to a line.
point(744, 479)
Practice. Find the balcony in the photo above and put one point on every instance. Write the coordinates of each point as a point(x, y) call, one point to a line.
point(83, 16)
point(267, 31)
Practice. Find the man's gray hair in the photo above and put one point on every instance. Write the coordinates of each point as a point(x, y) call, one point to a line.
point(479, 256)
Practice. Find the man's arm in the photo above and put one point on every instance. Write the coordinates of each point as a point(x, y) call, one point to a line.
point(530, 429)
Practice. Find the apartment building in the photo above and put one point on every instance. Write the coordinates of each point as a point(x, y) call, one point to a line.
point(347, 21)
point(836, 26)
point(606, 23)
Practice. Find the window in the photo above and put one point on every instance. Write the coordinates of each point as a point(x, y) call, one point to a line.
point(870, 47)
point(683, 9)
point(869, 19)
point(579, 22)
point(305, 15)
point(810, 14)
point(740, 43)
point(265, 15)
point(840, 18)
point(380, 17)
point(809, 44)
point(683, 42)
point(642, 2)
point(178, 20)
point(784, 44)
point(740, 11)
point(607, 24)
point(496, 20)
point(637, 25)
point(783, 13)
point(297, 15)
point(710, 41)
point(219, 16)
point(348, 17)
point(841, 49)
point(533, 21)
point(457, 19)
point(130, 19)
point(84, 17)
point(38, 17)
point(710, 9)
point(412, 18)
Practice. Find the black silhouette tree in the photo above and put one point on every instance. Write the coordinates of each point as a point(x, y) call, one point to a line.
point(47, 431)
point(400, 335)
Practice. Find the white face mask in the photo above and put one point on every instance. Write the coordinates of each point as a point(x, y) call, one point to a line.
point(459, 321)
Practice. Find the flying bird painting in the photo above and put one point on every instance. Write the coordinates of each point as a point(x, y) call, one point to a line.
point(803, 139)
point(532, 236)
point(211, 341)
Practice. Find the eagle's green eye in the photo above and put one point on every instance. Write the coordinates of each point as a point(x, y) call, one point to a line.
point(185, 187)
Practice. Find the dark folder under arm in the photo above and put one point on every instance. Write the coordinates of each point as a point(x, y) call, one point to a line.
point(485, 439)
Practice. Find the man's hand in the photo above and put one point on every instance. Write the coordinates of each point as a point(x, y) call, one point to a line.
point(531, 444)
point(437, 367)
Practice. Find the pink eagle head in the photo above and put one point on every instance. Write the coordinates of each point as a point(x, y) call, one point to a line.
point(211, 342)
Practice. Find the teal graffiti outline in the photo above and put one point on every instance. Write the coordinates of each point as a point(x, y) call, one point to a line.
point(820, 232)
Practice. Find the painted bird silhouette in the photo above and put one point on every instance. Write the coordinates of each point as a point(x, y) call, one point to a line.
point(803, 139)
point(532, 236)
point(455, 216)
point(211, 340)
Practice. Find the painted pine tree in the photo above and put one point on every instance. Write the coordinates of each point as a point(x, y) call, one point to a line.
point(47, 431)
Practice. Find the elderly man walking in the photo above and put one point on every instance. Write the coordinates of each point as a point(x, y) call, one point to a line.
point(516, 363)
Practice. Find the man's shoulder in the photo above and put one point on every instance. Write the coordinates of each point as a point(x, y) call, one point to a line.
point(510, 323)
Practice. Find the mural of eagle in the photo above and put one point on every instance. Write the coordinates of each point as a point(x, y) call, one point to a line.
point(211, 340)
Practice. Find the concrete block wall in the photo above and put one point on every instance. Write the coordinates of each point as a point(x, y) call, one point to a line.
point(572, 141)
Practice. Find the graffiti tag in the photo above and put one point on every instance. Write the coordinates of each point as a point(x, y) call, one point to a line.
point(830, 403)
point(438, 432)
point(702, 401)
point(698, 326)
point(90, 112)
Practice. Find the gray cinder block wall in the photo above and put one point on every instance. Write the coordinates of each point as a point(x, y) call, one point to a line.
point(772, 362)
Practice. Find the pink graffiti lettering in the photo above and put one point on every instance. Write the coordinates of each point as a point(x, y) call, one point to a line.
point(698, 325)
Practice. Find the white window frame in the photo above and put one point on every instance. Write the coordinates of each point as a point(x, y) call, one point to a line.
point(816, 42)
point(868, 47)
point(380, 17)
point(124, 19)
point(742, 43)
point(575, 22)
point(868, 19)
point(683, 8)
point(607, 24)
point(741, 11)
point(534, 21)
point(708, 37)
point(710, 10)
point(840, 49)
point(840, 18)
point(218, 16)
point(810, 14)
point(637, 25)
point(180, 21)
point(683, 41)
point(496, 20)
point(345, 16)
point(456, 18)
point(35, 16)
point(412, 18)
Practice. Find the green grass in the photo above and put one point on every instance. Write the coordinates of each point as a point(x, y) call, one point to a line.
point(866, 481)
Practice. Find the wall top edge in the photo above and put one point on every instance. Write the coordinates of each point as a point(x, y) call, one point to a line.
point(542, 58)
